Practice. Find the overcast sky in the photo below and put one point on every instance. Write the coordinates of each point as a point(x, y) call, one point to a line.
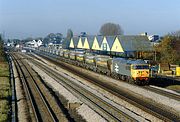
point(37, 18)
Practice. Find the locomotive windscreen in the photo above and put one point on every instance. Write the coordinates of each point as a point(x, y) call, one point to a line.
point(141, 67)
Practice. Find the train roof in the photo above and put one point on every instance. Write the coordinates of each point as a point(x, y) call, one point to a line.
point(104, 56)
point(129, 61)
point(139, 61)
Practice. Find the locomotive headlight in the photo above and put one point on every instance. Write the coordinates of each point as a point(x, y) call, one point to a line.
point(138, 72)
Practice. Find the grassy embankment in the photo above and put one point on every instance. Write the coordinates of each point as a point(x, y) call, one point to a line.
point(5, 90)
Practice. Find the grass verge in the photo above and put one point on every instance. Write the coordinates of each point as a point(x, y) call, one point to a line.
point(5, 92)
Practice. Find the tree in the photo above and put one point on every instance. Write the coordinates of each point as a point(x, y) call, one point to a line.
point(53, 38)
point(168, 50)
point(1, 43)
point(51, 35)
point(69, 34)
point(1, 49)
point(110, 29)
point(58, 38)
point(176, 33)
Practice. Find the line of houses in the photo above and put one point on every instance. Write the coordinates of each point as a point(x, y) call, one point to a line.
point(127, 45)
point(119, 45)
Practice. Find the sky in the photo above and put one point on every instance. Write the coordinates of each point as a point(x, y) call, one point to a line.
point(37, 18)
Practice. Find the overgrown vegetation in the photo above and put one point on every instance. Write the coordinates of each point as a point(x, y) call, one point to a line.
point(168, 51)
point(5, 90)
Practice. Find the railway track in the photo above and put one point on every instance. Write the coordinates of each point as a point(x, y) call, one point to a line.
point(33, 114)
point(39, 106)
point(13, 103)
point(104, 108)
point(154, 109)
point(163, 92)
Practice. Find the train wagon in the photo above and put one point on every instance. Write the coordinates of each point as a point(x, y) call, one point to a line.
point(57, 52)
point(61, 54)
point(66, 54)
point(132, 70)
point(89, 61)
point(72, 55)
point(102, 64)
point(80, 57)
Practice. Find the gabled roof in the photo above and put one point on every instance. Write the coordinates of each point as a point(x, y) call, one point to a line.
point(75, 40)
point(110, 40)
point(90, 40)
point(34, 40)
point(135, 43)
point(99, 39)
point(82, 40)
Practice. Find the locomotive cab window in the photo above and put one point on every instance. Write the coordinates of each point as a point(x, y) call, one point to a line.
point(141, 67)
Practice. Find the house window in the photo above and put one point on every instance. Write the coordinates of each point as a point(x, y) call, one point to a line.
point(104, 46)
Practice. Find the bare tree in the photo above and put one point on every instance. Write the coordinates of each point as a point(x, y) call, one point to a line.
point(109, 29)
point(69, 34)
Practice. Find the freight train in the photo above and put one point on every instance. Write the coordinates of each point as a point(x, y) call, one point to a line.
point(135, 71)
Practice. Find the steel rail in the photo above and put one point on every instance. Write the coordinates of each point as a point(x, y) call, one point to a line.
point(33, 115)
point(42, 110)
point(104, 108)
point(151, 108)
point(163, 92)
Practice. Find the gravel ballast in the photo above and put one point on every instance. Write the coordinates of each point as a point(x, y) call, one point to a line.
point(165, 102)
point(22, 110)
point(72, 103)
point(104, 93)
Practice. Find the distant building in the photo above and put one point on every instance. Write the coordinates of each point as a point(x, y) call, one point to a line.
point(17, 46)
point(55, 45)
point(10, 44)
point(154, 38)
point(124, 44)
point(34, 43)
point(83, 34)
point(144, 34)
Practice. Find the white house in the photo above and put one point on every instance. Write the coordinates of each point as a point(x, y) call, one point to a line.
point(34, 43)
